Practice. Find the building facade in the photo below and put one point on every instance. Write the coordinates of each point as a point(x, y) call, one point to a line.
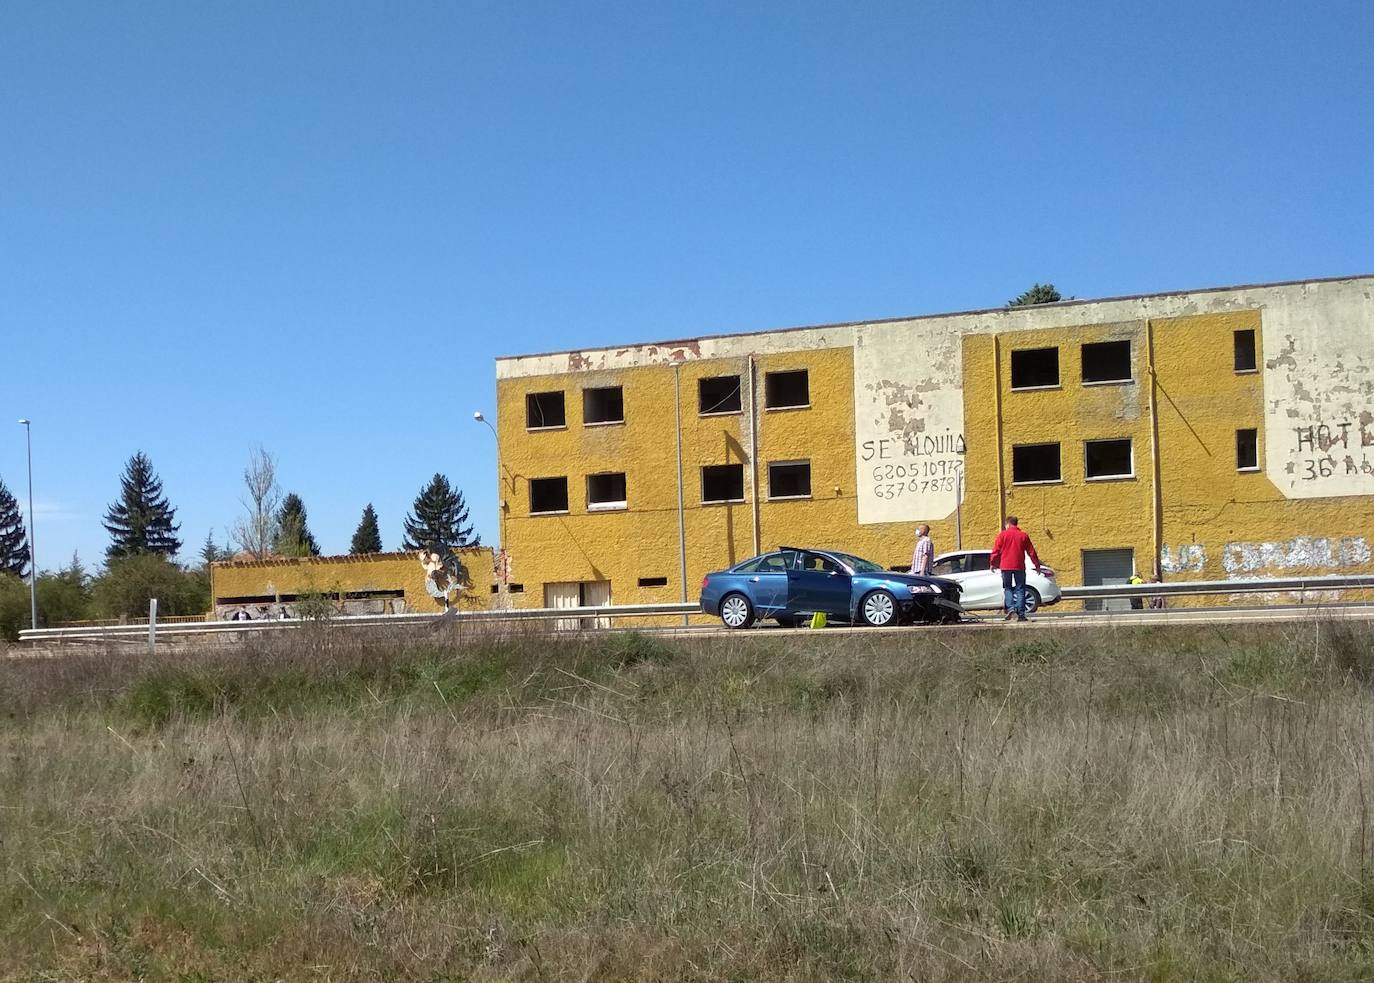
point(1211, 434)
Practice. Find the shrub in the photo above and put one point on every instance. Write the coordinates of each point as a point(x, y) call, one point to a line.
point(131, 582)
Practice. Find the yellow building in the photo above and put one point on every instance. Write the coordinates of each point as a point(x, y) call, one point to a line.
point(1211, 434)
point(365, 584)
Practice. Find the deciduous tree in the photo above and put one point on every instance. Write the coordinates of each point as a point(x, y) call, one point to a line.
point(129, 583)
point(257, 528)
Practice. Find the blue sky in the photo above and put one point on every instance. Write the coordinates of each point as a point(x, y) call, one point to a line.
point(313, 226)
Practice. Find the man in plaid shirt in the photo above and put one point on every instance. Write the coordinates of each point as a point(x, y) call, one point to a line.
point(924, 558)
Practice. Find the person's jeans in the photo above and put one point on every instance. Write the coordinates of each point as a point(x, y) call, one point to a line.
point(1014, 591)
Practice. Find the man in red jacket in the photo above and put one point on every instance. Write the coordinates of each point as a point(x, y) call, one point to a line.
point(1009, 554)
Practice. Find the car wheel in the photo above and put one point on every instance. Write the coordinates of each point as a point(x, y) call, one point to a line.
point(878, 609)
point(1032, 600)
point(736, 611)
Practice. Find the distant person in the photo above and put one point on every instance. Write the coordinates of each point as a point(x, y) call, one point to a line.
point(923, 559)
point(1009, 553)
point(1137, 602)
point(1157, 600)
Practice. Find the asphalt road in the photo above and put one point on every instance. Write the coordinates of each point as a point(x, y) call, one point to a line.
point(1250, 614)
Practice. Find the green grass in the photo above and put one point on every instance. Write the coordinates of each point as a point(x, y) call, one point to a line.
point(1153, 804)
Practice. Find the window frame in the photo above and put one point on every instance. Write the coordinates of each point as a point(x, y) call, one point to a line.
point(567, 504)
point(739, 395)
point(1249, 468)
point(722, 501)
point(617, 506)
point(790, 498)
point(1254, 351)
point(769, 408)
point(1130, 476)
point(587, 391)
point(1130, 363)
point(1058, 370)
point(1039, 481)
point(552, 426)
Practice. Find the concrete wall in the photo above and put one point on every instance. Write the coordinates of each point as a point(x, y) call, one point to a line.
point(907, 414)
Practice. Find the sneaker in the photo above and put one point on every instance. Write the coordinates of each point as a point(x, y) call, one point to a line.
point(1009, 615)
point(1020, 617)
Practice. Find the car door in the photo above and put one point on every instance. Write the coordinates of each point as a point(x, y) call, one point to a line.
point(818, 583)
point(767, 580)
point(981, 587)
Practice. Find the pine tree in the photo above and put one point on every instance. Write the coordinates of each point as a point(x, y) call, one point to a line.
point(141, 521)
point(1040, 293)
point(210, 551)
point(293, 531)
point(439, 519)
point(368, 537)
point(14, 543)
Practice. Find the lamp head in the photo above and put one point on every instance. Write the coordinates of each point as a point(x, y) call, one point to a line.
point(479, 417)
point(24, 423)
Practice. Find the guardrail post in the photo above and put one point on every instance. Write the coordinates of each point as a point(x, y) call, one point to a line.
point(152, 625)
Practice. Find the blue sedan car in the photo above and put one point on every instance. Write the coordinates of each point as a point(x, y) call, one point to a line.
point(792, 583)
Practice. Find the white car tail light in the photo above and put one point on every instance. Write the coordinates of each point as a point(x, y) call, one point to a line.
point(1047, 572)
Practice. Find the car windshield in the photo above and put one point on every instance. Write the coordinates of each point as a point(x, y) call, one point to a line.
point(859, 565)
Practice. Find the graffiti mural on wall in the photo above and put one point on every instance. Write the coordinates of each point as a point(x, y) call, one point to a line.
point(1300, 553)
point(1187, 558)
point(445, 576)
point(1333, 450)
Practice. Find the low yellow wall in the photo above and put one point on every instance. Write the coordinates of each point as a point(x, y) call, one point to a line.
point(259, 588)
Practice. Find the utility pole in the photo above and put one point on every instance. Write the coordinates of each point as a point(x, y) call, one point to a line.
point(33, 550)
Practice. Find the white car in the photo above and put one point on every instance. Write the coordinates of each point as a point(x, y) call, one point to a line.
point(983, 587)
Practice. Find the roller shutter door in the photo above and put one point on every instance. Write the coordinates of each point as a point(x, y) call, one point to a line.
point(1105, 567)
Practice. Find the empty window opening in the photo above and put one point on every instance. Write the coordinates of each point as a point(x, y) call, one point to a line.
point(606, 491)
point(1107, 361)
point(544, 410)
point(603, 405)
point(722, 483)
point(1035, 368)
point(718, 394)
point(1108, 459)
point(515, 588)
point(1247, 450)
point(786, 389)
point(548, 495)
point(1031, 463)
point(789, 479)
point(653, 581)
point(1245, 350)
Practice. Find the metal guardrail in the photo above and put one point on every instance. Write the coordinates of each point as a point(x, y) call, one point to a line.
point(1187, 588)
point(1177, 588)
point(136, 632)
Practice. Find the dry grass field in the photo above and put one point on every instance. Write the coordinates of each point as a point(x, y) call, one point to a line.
point(1140, 804)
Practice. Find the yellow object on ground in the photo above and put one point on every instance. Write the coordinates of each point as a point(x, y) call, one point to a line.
point(818, 620)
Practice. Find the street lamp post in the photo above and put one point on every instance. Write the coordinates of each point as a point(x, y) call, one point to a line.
point(33, 552)
point(501, 501)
